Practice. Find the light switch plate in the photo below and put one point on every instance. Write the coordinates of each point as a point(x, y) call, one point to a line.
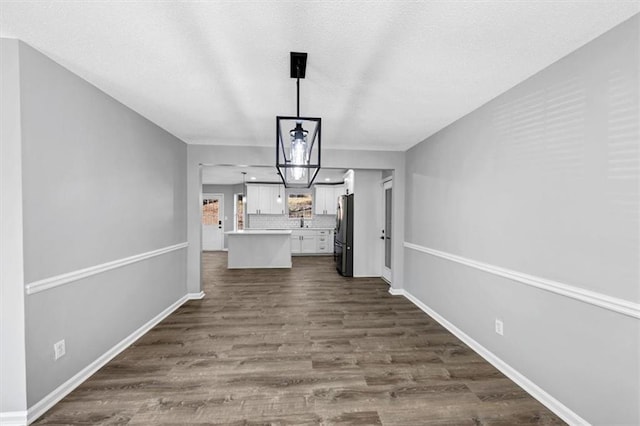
point(59, 349)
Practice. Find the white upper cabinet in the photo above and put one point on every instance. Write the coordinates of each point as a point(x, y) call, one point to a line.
point(263, 199)
point(326, 200)
point(278, 199)
point(338, 190)
point(320, 200)
point(253, 199)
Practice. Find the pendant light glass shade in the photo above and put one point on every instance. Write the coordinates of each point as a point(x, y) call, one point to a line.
point(298, 150)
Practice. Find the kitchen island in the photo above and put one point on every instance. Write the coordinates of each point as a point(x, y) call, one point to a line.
point(270, 248)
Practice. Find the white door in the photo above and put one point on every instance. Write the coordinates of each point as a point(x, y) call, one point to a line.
point(387, 204)
point(212, 221)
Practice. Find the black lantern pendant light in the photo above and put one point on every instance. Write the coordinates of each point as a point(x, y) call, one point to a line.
point(298, 152)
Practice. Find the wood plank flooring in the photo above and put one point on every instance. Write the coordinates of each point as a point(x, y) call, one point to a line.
point(298, 347)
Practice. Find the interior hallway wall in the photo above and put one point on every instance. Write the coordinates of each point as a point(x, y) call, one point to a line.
point(13, 386)
point(367, 223)
point(100, 184)
point(543, 181)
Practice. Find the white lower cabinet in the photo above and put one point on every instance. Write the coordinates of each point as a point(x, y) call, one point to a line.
point(312, 241)
point(324, 243)
point(296, 244)
point(303, 242)
point(308, 244)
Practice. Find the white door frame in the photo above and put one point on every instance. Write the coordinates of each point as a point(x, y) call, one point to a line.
point(218, 242)
point(386, 271)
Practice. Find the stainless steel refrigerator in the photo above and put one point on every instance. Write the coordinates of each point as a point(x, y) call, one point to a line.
point(343, 238)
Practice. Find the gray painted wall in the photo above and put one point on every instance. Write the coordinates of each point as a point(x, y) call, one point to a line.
point(542, 180)
point(227, 191)
point(367, 223)
point(13, 388)
point(100, 183)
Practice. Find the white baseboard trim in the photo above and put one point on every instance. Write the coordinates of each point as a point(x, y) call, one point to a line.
point(13, 418)
point(64, 389)
point(69, 277)
point(195, 296)
point(615, 304)
point(530, 387)
point(396, 291)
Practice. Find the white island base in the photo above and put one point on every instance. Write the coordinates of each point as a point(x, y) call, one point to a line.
point(259, 249)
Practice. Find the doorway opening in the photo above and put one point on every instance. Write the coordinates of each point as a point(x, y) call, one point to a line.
point(212, 222)
point(387, 207)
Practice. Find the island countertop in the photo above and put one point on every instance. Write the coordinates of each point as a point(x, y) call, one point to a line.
point(260, 232)
point(251, 248)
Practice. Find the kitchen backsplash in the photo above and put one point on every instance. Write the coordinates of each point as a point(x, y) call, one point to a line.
point(271, 221)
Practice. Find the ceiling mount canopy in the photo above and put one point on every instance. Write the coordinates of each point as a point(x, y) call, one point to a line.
point(298, 150)
point(298, 64)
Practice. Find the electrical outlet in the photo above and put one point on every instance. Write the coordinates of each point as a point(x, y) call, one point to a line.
point(499, 327)
point(59, 349)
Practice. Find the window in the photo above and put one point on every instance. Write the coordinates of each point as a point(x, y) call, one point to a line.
point(300, 205)
point(239, 212)
point(210, 211)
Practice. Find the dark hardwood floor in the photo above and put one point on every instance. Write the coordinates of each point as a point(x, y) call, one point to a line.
point(298, 347)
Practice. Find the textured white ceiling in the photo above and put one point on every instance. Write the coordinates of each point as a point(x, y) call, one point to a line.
point(382, 75)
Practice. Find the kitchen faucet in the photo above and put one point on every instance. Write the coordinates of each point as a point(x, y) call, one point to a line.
point(301, 222)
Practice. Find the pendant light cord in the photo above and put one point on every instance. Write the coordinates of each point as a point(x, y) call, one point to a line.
point(298, 90)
